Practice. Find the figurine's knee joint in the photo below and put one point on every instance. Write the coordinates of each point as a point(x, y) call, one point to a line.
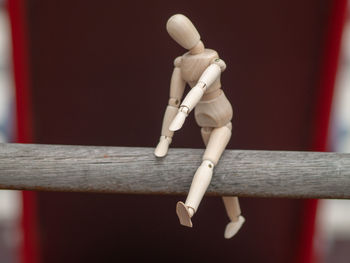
point(174, 102)
point(212, 159)
point(208, 163)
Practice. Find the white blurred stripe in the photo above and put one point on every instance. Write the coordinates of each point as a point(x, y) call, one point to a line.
point(10, 201)
point(9, 205)
point(333, 217)
point(6, 79)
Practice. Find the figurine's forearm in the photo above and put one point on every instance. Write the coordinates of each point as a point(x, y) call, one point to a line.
point(177, 87)
point(169, 115)
point(166, 135)
point(206, 80)
point(196, 93)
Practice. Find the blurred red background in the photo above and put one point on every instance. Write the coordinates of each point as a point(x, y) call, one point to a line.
point(97, 73)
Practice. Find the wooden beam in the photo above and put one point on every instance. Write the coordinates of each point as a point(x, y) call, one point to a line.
point(138, 171)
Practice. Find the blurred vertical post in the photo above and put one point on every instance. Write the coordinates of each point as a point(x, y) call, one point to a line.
point(333, 218)
point(18, 18)
point(328, 68)
point(10, 201)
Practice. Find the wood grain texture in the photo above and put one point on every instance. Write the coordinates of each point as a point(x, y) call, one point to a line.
point(138, 171)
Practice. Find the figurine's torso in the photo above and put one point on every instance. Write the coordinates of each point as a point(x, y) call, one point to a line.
point(214, 110)
point(192, 67)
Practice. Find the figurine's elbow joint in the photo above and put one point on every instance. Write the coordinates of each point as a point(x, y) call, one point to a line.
point(220, 63)
point(177, 62)
point(184, 109)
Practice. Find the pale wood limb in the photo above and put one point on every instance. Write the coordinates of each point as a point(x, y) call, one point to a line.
point(232, 207)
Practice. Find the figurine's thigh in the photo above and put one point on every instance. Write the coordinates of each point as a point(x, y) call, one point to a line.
point(217, 143)
point(213, 113)
point(206, 131)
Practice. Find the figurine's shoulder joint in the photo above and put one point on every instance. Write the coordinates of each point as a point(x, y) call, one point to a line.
point(220, 63)
point(177, 62)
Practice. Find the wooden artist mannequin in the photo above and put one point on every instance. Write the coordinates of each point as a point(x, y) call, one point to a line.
point(200, 68)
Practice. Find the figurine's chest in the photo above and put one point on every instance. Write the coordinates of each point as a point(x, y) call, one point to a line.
point(192, 66)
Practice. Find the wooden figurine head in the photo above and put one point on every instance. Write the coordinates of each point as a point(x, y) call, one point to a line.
point(181, 29)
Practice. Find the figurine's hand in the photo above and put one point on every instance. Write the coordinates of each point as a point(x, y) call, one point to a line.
point(179, 119)
point(162, 147)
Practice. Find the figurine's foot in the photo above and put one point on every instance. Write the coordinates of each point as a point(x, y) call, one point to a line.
point(162, 147)
point(184, 214)
point(233, 227)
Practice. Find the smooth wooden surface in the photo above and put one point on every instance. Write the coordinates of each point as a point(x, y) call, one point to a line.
point(137, 170)
point(181, 29)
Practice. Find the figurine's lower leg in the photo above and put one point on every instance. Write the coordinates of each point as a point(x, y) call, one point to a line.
point(200, 183)
point(234, 213)
point(217, 142)
point(231, 202)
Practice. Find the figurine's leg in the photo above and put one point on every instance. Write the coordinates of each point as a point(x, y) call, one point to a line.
point(218, 139)
point(231, 202)
point(206, 131)
point(234, 213)
point(185, 213)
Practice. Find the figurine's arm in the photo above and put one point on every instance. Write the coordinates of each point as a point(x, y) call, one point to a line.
point(194, 96)
point(177, 87)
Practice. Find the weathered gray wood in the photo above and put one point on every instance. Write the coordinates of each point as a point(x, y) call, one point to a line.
point(137, 170)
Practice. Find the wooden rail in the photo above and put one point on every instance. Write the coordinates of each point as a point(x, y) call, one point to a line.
point(138, 171)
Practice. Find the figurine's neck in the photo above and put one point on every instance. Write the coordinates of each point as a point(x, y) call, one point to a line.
point(197, 49)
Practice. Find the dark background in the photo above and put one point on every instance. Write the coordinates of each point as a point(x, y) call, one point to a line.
point(100, 74)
